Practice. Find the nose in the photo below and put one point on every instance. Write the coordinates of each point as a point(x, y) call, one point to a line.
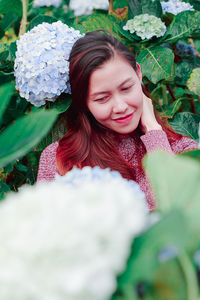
point(119, 105)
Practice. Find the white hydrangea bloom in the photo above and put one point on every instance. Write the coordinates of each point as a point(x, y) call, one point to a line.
point(41, 64)
point(86, 7)
point(39, 3)
point(69, 239)
point(175, 6)
point(146, 26)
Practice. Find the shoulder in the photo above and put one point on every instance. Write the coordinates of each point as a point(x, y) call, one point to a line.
point(47, 164)
point(183, 144)
point(50, 150)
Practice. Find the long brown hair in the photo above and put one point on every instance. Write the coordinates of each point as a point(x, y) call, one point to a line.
point(87, 142)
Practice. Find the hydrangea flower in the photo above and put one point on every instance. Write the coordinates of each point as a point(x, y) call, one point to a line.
point(183, 49)
point(41, 64)
point(146, 26)
point(175, 6)
point(193, 82)
point(69, 239)
point(39, 3)
point(86, 7)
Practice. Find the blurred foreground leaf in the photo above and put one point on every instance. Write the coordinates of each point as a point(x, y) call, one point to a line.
point(18, 138)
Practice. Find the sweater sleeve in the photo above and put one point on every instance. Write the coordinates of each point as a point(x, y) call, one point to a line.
point(47, 165)
point(156, 140)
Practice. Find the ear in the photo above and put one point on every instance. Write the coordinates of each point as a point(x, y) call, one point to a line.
point(139, 73)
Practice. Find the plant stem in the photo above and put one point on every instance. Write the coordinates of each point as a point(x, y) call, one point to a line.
point(110, 6)
point(22, 29)
point(193, 45)
point(171, 93)
point(164, 94)
point(190, 276)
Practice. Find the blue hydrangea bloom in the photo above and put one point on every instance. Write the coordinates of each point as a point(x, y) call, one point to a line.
point(39, 3)
point(183, 49)
point(41, 65)
point(175, 6)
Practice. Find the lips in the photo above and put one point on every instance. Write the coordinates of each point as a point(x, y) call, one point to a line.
point(124, 119)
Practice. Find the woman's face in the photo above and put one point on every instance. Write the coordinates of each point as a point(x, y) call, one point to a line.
point(115, 96)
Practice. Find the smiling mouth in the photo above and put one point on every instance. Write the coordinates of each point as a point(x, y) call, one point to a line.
point(125, 119)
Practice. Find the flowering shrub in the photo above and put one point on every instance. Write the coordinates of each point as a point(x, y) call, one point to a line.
point(70, 238)
point(146, 26)
point(41, 64)
point(175, 6)
point(82, 7)
point(39, 3)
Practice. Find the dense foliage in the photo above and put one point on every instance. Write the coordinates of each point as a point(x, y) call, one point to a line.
point(165, 36)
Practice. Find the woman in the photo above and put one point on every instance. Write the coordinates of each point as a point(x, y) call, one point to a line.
point(110, 122)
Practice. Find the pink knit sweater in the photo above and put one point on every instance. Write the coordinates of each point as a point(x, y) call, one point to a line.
point(132, 150)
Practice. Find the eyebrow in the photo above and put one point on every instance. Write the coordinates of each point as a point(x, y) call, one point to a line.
point(105, 92)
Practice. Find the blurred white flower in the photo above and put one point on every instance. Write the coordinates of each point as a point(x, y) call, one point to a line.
point(69, 239)
point(39, 3)
point(41, 64)
point(146, 26)
point(86, 7)
point(175, 6)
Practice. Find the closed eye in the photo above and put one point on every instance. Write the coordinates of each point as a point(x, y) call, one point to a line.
point(101, 99)
point(126, 88)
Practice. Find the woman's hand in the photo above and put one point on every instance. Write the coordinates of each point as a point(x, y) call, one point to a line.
point(148, 120)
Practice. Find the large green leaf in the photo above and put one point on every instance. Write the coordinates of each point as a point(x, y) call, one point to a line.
point(39, 20)
point(6, 91)
point(144, 261)
point(169, 110)
point(138, 7)
point(98, 21)
point(187, 124)
point(17, 139)
point(11, 5)
point(185, 24)
point(175, 182)
point(157, 63)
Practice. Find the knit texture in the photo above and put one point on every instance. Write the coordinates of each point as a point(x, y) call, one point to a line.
point(132, 150)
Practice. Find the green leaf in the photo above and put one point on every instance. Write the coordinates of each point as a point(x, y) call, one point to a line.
point(56, 133)
point(169, 110)
point(182, 73)
point(11, 5)
point(61, 104)
point(4, 188)
point(138, 7)
point(186, 123)
point(6, 92)
point(144, 262)
point(156, 63)
point(195, 154)
point(39, 20)
point(185, 24)
point(98, 21)
point(17, 139)
point(175, 182)
point(8, 20)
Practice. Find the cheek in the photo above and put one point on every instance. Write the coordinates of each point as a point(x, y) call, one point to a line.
point(136, 98)
point(100, 112)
